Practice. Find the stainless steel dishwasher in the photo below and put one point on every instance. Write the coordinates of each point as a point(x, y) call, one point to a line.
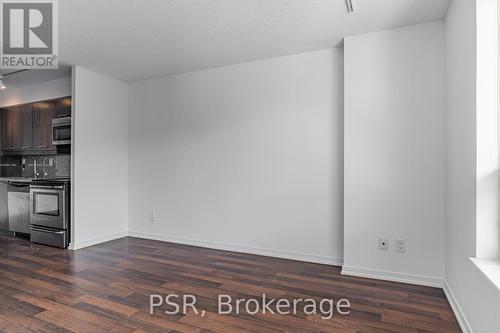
point(18, 198)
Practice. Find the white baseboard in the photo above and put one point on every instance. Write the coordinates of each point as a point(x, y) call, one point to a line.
point(98, 240)
point(429, 281)
point(314, 258)
point(457, 309)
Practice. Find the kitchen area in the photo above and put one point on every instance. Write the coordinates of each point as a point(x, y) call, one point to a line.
point(35, 170)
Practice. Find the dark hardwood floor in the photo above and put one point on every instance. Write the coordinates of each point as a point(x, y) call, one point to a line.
point(106, 288)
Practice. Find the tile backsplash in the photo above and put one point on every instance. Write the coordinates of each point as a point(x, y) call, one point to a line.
point(10, 166)
point(47, 166)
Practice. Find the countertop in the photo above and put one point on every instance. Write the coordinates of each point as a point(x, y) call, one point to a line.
point(16, 179)
point(30, 180)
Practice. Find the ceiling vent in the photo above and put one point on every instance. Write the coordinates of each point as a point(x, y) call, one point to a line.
point(350, 6)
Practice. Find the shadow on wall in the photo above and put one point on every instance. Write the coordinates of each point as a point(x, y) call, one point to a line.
point(488, 217)
point(338, 150)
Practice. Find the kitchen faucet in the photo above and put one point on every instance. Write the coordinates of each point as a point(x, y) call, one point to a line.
point(44, 165)
point(36, 174)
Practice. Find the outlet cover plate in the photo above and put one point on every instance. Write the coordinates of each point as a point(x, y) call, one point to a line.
point(401, 245)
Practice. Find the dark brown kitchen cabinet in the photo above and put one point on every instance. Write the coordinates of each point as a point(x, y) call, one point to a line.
point(62, 107)
point(43, 113)
point(17, 132)
point(27, 128)
point(15, 127)
point(6, 128)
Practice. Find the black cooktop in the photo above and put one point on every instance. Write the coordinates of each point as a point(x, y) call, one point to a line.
point(51, 181)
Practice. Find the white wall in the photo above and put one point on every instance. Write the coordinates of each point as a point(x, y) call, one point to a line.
point(394, 153)
point(245, 157)
point(36, 92)
point(100, 126)
point(487, 230)
point(468, 290)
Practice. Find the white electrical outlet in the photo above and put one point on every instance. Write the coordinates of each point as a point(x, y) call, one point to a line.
point(383, 244)
point(401, 245)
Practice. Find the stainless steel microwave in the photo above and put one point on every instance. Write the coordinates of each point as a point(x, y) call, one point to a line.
point(61, 131)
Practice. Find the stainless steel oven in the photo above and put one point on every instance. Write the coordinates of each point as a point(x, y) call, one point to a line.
point(49, 213)
point(61, 131)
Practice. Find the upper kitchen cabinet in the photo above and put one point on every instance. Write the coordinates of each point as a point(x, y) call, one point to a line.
point(6, 127)
point(62, 107)
point(27, 128)
point(43, 113)
point(16, 127)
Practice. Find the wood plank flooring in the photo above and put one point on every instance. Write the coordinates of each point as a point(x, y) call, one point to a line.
point(106, 288)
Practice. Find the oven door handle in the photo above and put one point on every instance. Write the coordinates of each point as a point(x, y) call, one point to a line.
point(46, 187)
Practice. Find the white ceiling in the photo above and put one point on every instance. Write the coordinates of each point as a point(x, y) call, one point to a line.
point(137, 39)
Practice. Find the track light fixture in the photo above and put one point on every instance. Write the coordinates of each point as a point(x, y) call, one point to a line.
point(350, 6)
point(2, 85)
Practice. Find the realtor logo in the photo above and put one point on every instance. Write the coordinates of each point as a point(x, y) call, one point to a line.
point(28, 34)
